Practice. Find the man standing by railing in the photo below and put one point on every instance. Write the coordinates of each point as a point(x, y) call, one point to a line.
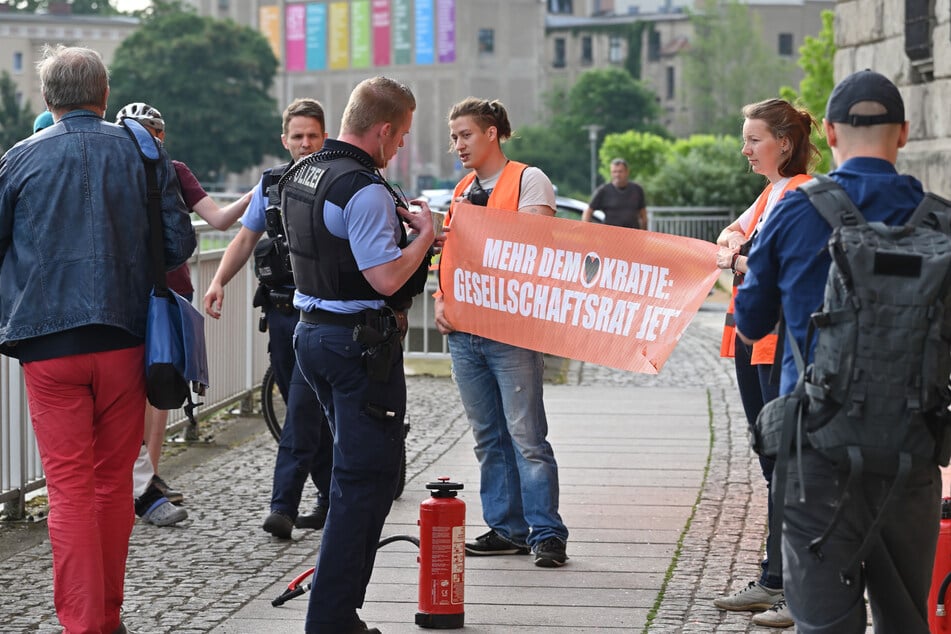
point(74, 292)
point(305, 445)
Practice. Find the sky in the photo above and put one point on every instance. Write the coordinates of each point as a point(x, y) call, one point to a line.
point(130, 5)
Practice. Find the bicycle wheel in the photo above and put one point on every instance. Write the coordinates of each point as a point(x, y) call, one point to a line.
point(272, 404)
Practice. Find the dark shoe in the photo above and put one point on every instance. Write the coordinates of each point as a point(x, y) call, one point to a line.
point(314, 520)
point(279, 525)
point(173, 496)
point(550, 553)
point(494, 544)
point(361, 628)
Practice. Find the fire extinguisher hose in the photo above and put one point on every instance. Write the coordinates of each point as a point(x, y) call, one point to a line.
point(297, 586)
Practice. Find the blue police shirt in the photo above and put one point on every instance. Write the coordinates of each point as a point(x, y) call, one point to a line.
point(253, 217)
point(789, 261)
point(369, 222)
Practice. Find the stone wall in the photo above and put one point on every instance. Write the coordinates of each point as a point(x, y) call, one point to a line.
point(871, 34)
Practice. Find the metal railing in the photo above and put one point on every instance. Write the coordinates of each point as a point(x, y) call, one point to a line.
point(237, 352)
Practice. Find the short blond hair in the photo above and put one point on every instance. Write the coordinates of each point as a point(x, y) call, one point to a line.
point(376, 100)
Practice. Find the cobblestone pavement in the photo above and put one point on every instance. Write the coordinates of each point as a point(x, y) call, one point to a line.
point(190, 577)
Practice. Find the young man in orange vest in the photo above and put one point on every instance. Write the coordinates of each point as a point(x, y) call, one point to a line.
point(501, 384)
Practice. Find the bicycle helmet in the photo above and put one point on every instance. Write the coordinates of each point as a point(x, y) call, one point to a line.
point(144, 114)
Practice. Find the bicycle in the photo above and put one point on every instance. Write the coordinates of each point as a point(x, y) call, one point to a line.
point(274, 409)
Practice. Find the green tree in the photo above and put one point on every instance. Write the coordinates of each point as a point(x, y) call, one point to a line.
point(610, 98)
point(815, 59)
point(729, 65)
point(645, 153)
point(704, 170)
point(16, 121)
point(210, 79)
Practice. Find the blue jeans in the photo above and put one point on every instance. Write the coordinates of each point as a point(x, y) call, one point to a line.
point(306, 442)
point(501, 390)
point(755, 391)
point(367, 421)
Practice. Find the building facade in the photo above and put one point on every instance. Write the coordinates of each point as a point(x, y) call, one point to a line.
point(908, 41)
point(23, 36)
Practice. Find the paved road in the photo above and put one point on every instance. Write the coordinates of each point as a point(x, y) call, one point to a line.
point(191, 577)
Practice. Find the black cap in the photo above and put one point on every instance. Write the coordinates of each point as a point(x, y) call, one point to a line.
point(865, 85)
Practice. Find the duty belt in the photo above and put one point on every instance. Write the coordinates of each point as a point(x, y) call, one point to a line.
point(375, 318)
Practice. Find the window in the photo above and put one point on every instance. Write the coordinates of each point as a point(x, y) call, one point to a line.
point(919, 27)
point(17, 62)
point(560, 6)
point(486, 41)
point(587, 51)
point(653, 46)
point(224, 5)
point(785, 44)
point(671, 77)
point(615, 50)
point(559, 61)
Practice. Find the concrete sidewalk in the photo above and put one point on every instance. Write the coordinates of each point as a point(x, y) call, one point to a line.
point(661, 493)
point(631, 462)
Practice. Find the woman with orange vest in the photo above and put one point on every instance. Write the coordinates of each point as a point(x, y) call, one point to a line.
point(776, 143)
point(500, 384)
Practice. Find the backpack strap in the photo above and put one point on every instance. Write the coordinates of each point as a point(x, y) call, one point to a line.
point(792, 422)
point(149, 151)
point(933, 211)
point(831, 201)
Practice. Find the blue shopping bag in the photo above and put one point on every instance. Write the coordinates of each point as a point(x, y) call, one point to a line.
point(176, 363)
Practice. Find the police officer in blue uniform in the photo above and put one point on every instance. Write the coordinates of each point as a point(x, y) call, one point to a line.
point(356, 271)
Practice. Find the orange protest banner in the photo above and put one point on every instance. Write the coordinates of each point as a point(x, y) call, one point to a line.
point(596, 293)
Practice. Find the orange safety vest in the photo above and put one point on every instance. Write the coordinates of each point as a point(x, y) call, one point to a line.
point(505, 194)
point(764, 350)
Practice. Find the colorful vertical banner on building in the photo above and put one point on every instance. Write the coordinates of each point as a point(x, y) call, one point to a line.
point(360, 34)
point(270, 20)
point(339, 35)
point(402, 32)
point(316, 36)
point(424, 32)
point(380, 21)
point(446, 31)
point(295, 37)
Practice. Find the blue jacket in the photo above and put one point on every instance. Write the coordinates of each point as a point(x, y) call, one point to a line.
point(74, 231)
point(789, 261)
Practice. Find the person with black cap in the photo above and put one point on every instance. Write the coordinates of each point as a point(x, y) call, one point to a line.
point(788, 265)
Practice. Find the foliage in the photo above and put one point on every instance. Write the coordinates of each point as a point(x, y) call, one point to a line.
point(609, 98)
point(704, 170)
point(211, 81)
point(645, 153)
point(815, 59)
point(78, 7)
point(728, 65)
point(16, 121)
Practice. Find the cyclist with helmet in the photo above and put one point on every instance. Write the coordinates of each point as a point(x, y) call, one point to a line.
point(154, 498)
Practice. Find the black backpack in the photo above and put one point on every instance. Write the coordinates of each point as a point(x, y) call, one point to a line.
point(875, 397)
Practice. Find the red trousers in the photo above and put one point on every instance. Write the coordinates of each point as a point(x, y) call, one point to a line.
point(88, 412)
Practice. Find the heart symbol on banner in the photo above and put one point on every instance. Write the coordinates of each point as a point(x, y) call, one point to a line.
point(592, 269)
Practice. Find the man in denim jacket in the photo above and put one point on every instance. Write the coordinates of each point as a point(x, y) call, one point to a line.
point(74, 289)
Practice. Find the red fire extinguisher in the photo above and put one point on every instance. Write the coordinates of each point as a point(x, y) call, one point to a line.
point(442, 557)
point(939, 621)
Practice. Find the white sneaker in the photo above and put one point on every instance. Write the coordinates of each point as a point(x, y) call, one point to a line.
point(776, 616)
point(753, 597)
point(164, 513)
